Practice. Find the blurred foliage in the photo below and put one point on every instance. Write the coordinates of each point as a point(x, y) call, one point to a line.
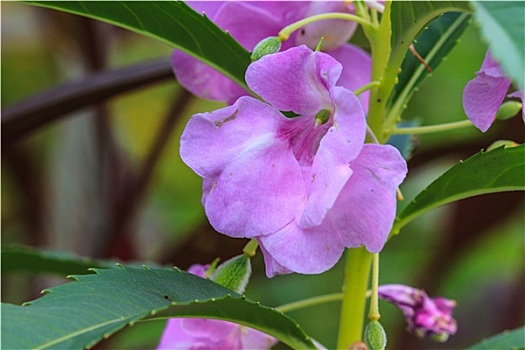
point(482, 272)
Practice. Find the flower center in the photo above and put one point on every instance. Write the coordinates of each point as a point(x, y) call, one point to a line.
point(322, 117)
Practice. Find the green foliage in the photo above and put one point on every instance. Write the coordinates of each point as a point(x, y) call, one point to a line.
point(433, 44)
point(512, 340)
point(499, 170)
point(502, 24)
point(19, 258)
point(409, 18)
point(81, 313)
point(172, 22)
point(234, 274)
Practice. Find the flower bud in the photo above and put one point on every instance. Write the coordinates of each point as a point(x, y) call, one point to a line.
point(375, 336)
point(499, 143)
point(426, 317)
point(265, 47)
point(508, 110)
point(234, 273)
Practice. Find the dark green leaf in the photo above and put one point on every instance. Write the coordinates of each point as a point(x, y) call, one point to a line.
point(172, 22)
point(18, 258)
point(499, 170)
point(512, 340)
point(26, 259)
point(81, 313)
point(433, 44)
point(409, 18)
point(503, 25)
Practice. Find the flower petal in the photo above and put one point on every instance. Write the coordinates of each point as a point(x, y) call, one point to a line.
point(334, 32)
point(174, 337)
point(204, 81)
point(484, 94)
point(331, 166)
point(300, 250)
point(207, 328)
point(295, 80)
point(209, 8)
point(256, 183)
point(365, 210)
point(273, 268)
point(253, 339)
point(235, 17)
point(357, 69)
point(212, 140)
point(425, 316)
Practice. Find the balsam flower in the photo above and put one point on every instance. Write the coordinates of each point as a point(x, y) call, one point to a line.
point(305, 187)
point(484, 94)
point(425, 316)
point(250, 22)
point(193, 333)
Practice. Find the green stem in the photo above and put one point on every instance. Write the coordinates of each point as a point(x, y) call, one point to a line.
point(432, 128)
point(366, 87)
point(357, 270)
point(285, 33)
point(373, 314)
point(317, 300)
point(382, 71)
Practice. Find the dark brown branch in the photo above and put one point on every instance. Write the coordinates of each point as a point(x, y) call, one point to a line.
point(130, 200)
point(36, 111)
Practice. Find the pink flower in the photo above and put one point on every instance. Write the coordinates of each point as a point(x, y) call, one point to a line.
point(305, 187)
point(425, 316)
point(250, 22)
point(484, 94)
point(200, 334)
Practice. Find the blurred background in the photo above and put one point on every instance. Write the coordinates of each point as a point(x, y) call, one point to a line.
point(106, 181)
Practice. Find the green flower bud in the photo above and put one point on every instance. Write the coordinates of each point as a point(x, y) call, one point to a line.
point(499, 143)
point(508, 110)
point(375, 336)
point(234, 273)
point(440, 338)
point(265, 47)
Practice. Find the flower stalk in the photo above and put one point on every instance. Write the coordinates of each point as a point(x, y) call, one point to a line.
point(285, 33)
point(432, 128)
point(373, 313)
point(357, 270)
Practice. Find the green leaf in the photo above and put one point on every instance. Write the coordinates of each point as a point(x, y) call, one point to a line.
point(512, 340)
point(502, 169)
point(81, 313)
point(19, 258)
point(172, 22)
point(503, 25)
point(433, 45)
point(409, 18)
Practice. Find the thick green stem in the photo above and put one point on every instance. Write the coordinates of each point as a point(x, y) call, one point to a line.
point(357, 270)
point(379, 38)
